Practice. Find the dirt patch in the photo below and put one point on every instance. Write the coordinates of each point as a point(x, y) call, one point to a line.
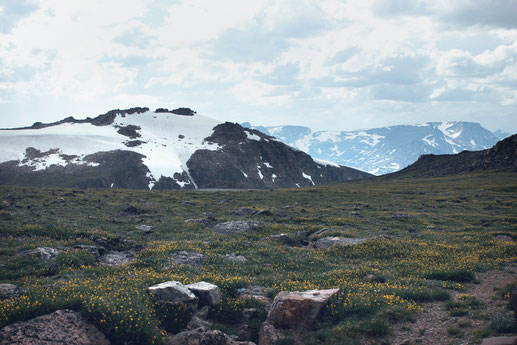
point(435, 325)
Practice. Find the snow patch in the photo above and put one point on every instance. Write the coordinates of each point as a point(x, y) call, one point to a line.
point(308, 177)
point(273, 177)
point(323, 162)
point(260, 173)
point(252, 136)
point(245, 175)
point(429, 139)
point(268, 165)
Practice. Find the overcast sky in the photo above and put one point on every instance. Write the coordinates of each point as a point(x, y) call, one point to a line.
point(326, 64)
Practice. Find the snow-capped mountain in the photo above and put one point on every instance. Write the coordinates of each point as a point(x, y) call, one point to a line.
point(162, 149)
point(387, 149)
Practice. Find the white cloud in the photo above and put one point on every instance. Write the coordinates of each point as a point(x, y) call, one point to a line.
point(340, 60)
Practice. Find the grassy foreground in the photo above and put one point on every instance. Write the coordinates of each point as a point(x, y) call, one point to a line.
point(437, 233)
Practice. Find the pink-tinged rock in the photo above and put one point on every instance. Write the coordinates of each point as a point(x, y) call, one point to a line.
point(298, 310)
point(61, 327)
point(500, 341)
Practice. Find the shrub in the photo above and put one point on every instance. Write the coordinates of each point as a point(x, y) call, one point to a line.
point(503, 323)
point(456, 275)
point(75, 258)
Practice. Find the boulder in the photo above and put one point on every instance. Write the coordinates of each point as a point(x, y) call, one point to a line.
point(327, 242)
point(8, 291)
point(118, 258)
point(61, 327)
point(174, 292)
point(208, 294)
point(269, 335)
point(298, 310)
point(285, 239)
point(244, 211)
point(188, 258)
point(235, 227)
point(45, 253)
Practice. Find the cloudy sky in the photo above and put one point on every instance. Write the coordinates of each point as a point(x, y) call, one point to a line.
point(327, 64)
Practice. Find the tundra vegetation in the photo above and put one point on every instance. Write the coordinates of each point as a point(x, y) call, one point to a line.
point(425, 239)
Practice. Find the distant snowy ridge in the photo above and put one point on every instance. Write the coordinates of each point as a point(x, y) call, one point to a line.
point(386, 149)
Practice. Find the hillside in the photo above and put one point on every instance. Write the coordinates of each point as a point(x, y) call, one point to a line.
point(416, 260)
point(162, 149)
point(502, 156)
point(386, 149)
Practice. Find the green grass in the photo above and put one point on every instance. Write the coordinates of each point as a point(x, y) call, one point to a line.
point(383, 281)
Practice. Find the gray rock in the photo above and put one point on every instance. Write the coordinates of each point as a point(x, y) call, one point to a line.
point(8, 291)
point(188, 258)
point(244, 211)
point(208, 294)
point(118, 258)
point(45, 253)
point(327, 242)
point(204, 336)
point(269, 335)
point(235, 257)
point(500, 341)
point(174, 292)
point(204, 222)
point(61, 327)
point(145, 228)
point(285, 239)
point(235, 227)
point(258, 293)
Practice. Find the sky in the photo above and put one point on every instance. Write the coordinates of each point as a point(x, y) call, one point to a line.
point(326, 64)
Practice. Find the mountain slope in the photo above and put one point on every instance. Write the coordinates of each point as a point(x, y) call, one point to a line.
point(501, 156)
point(386, 149)
point(138, 148)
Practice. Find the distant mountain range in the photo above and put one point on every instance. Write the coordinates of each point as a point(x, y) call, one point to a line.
point(161, 149)
point(386, 149)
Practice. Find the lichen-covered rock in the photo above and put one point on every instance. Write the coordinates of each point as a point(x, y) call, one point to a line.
point(269, 335)
point(174, 292)
point(45, 253)
point(188, 258)
point(61, 327)
point(298, 310)
point(235, 257)
point(118, 258)
point(235, 227)
point(208, 294)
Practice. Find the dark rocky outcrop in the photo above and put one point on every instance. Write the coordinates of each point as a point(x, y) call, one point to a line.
point(61, 327)
point(118, 169)
point(251, 159)
point(503, 156)
point(178, 111)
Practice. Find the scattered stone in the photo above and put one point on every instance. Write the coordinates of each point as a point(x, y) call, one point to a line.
point(429, 227)
point(500, 341)
point(258, 293)
point(411, 229)
point(298, 310)
point(354, 213)
point(208, 294)
point(249, 313)
point(504, 238)
point(61, 327)
point(244, 211)
point(191, 203)
point(45, 253)
point(94, 250)
point(235, 227)
point(174, 292)
point(131, 211)
point(188, 258)
point(327, 242)
point(118, 258)
point(145, 228)
point(8, 291)
point(204, 222)
point(235, 257)
point(401, 216)
point(513, 297)
point(285, 239)
point(204, 336)
point(322, 231)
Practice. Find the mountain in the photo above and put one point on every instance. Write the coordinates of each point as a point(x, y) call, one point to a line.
point(162, 149)
point(501, 156)
point(386, 149)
